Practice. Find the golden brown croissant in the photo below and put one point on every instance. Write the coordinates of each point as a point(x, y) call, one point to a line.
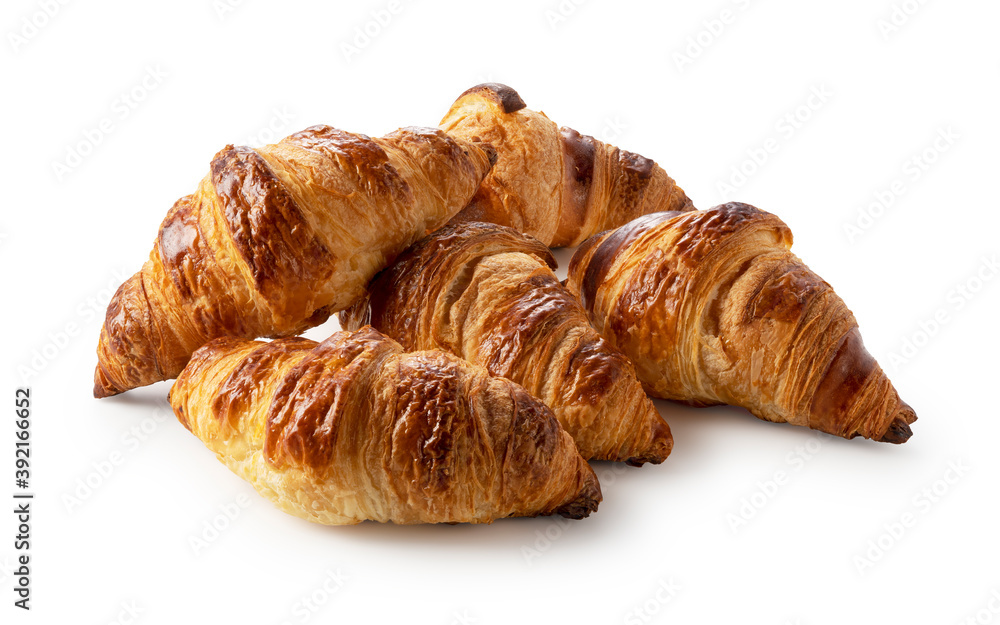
point(553, 183)
point(276, 239)
point(353, 429)
point(712, 307)
point(488, 294)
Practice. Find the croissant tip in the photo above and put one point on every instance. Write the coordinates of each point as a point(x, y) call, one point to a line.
point(491, 152)
point(503, 95)
point(899, 430)
point(585, 502)
point(100, 392)
point(655, 455)
point(103, 387)
point(663, 444)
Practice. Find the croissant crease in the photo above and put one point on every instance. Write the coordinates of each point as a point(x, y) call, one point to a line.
point(488, 294)
point(712, 307)
point(277, 238)
point(354, 429)
point(553, 183)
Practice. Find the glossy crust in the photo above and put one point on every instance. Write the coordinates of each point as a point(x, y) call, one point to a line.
point(276, 239)
point(712, 307)
point(488, 294)
point(553, 183)
point(354, 429)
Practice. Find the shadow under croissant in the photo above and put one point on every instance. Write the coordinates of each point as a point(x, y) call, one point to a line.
point(899, 430)
point(512, 530)
point(701, 427)
point(506, 535)
point(151, 396)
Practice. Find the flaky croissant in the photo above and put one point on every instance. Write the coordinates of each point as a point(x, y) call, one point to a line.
point(353, 429)
point(276, 239)
point(712, 307)
point(488, 294)
point(553, 183)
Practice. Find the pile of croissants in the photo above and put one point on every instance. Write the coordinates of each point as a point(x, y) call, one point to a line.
point(469, 383)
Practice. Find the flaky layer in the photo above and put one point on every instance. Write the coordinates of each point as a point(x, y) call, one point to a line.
point(553, 183)
point(354, 429)
point(712, 307)
point(276, 239)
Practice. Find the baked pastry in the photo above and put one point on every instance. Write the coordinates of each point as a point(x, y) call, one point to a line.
point(488, 294)
point(278, 238)
point(554, 183)
point(712, 307)
point(354, 429)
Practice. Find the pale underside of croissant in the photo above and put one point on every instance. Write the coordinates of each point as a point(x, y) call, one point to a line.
point(488, 294)
point(277, 238)
point(554, 183)
point(712, 307)
point(354, 429)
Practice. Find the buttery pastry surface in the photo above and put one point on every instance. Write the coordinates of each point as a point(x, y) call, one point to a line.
point(712, 307)
point(354, 429)
point(554, 183)
point(277, 238)
point(488, 294)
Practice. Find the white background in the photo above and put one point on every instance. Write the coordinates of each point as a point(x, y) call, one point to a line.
point(611, 69)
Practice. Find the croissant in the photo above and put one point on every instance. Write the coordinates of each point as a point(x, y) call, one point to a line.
point(712, 307)
point(278, 238)
point(554, 183)
point(354, 429)
point(488, 294)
